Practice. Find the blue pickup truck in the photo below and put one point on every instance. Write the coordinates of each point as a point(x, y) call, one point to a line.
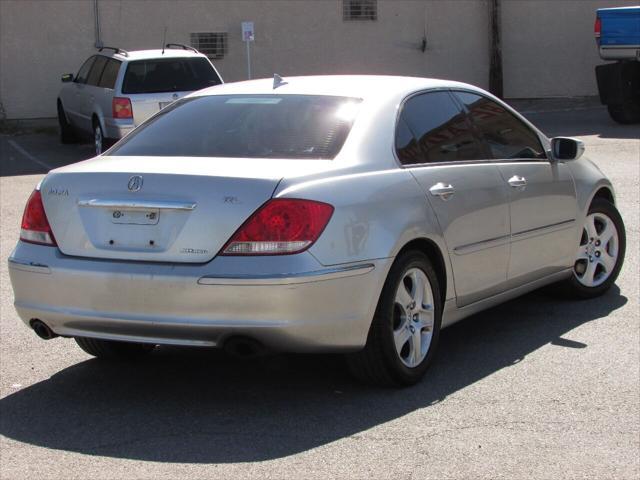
point(617, 32)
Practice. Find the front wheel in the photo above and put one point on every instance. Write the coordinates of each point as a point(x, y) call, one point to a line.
point(404, 332)
point(600, 252)
point(112, 350)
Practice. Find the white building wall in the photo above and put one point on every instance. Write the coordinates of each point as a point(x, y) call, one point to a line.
point(548, 46)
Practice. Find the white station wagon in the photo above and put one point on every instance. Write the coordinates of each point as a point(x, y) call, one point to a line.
point(346, 214)
point(114, 91)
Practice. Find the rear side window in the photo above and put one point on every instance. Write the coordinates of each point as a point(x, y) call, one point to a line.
point(96, 70)
point(169, 75)
point(246, 126)
point(506, 136)
point(110, 74)
point(440, 128)
point(83, 73)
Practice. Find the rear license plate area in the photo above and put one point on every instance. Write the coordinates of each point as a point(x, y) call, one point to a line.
point(136, 217)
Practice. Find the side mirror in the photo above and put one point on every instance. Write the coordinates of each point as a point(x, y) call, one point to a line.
point(67, 77)
point(565, 148)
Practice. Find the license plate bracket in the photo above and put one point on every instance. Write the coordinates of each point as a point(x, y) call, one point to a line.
point(136, 217)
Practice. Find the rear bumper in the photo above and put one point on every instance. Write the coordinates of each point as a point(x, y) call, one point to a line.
point(116, 128)
point(292, 304)
point(626, 52)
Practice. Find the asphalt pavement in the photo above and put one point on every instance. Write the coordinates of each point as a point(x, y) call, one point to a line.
point(536, 388)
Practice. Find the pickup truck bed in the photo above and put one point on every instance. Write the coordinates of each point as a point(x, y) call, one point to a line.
point(617, 32)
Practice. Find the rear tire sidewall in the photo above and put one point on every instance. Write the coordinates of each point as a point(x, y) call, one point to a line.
point(397, 369)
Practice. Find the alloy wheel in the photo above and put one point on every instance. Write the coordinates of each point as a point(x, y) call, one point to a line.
point(597, 253)
point(413, 317)
point(97, 139)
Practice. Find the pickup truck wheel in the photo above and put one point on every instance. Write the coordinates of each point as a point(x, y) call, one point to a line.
point(404, 333)
point(67, 135)
point(625, 114)
point(599, 254)
point(111, 350)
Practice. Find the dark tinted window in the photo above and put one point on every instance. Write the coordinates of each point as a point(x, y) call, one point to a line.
point(441, 129)
point(256, 126)
point(110, 74)
point(96, 70)
point(169, 75)
point(506, 136)
point(83, 73)
point(408, 150)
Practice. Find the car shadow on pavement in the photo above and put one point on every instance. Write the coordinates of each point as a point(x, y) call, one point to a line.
point(200, 406)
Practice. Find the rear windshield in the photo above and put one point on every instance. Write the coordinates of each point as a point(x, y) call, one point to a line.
point(246, 126)
point(169, 75)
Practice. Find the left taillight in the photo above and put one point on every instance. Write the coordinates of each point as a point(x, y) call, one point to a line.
point(35, 227)
point(597, 29)
point(280, 227)
point(121, 107)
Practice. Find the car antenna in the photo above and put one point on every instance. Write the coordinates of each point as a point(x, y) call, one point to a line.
point(278, 81)
point(164, 37)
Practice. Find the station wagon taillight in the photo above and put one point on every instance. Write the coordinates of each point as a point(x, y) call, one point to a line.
point(281, 226)
point(121, 107)
point(35, 227)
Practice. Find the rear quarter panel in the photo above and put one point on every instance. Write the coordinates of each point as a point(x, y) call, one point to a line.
point(376, 214)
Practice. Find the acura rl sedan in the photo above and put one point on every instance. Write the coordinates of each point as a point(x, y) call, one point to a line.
point(355, 214)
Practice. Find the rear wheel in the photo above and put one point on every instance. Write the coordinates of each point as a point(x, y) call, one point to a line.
point(98, 138)
point(67, 135)
point(404, 332)
point(626, 113)
point(112, 350)
point(600, 252)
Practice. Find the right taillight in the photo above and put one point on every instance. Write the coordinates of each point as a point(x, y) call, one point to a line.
point(597, 29)
point(35, 227)
point(121, 107)
point(281, 226)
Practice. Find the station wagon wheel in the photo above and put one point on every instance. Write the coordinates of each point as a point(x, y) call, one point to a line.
point(599, 254)
point(98, 138)
point(413, 318)
point(404, 333)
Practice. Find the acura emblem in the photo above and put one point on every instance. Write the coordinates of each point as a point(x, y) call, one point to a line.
point(135, 183)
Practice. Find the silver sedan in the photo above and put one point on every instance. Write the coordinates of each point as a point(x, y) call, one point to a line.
point(356, 214)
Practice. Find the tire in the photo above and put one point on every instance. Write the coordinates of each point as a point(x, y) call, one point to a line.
point(381, 362)
point(111, 350)
point(67, 135)
point(99, 141)
point(625, 114)
point(594, 270)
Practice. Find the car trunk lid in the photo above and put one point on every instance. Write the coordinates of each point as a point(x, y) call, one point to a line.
point(162, 209)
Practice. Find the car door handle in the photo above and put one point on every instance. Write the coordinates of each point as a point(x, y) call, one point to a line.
point(442, 190)
point(517, 182)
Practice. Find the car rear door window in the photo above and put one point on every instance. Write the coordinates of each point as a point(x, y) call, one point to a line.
point(440, 128)
point(169, 75)
point(83, 73)
point(110, 74)
point(506, 136)
point(96, 70)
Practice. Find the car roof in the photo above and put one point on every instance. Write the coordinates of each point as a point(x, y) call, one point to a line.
point(365, 87)
point(152, 54)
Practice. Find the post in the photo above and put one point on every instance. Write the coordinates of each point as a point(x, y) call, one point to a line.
point(495, 54)
point(248, 60)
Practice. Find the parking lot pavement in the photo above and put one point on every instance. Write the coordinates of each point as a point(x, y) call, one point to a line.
point(535, 388)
